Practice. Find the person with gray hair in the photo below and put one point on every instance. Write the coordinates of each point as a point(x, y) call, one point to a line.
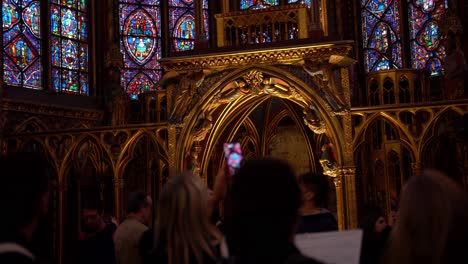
point(129, 234)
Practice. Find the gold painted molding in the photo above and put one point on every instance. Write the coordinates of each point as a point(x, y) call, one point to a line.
point(285, 55)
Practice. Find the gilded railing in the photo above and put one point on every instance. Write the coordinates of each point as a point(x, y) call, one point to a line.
point(399, 86)
point(262, 26)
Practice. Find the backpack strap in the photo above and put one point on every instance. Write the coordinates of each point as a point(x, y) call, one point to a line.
point(15, 248)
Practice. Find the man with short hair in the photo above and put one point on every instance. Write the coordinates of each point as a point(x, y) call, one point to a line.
point(24, 198)
point(315, 217)
point(97, 245)
point(129, 234)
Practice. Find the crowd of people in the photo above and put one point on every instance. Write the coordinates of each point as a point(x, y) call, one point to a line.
point(264, 206)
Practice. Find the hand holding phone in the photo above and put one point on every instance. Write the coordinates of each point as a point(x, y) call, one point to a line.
point(233, 153)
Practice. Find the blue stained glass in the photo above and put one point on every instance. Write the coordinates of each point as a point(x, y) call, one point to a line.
point(69, 23)
point(182, 24)
point(10, 15)
point(21, 43)
point(381, 32)
point(69, 47)
point(140, 45)
point(427, 51)
point(140, 42)
point(258, 4)
point(307, 2)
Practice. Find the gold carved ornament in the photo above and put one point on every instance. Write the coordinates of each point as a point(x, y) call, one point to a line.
point(313, 121)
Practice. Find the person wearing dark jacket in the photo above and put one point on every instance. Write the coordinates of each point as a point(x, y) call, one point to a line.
point(265, 200)
point(314, 215)
point(24, 198)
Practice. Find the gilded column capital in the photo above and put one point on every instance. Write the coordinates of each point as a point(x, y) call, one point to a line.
point(348, 171)
point(338, 182)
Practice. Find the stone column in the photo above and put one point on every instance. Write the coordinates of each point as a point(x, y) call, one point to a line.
point(349, 171)
point(119, 184)
point(349, 175)
point(61, 201)
point(416, 168)
point(171, 149)
point(200, 36)
point(339, 202)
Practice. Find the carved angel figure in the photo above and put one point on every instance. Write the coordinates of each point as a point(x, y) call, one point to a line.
point(183, 94)
point(201, 131)
point(325, 77)
point(328, 161)
point(313, 121)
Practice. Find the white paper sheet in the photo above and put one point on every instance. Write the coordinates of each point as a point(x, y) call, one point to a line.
point(331, 247)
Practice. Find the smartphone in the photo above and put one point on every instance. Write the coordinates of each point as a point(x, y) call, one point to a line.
point(233, 153)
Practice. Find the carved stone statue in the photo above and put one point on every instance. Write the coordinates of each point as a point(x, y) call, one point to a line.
point(455, 61)
point(202, 129)
point(328, 161)
point(181, 95)
point(455, 69)
point(324, 75)
point(313, 121)
point(116, 98)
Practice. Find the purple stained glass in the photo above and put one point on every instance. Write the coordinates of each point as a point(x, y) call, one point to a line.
point(182, 24)
point(21, 43)
point(70, 58)
point(140, 44)
point(180, 3)
point(258, 4)
point(138, 84)
point(381, 34)
point(69, 47)
point(426, 49)
point(184, 33)
point(143, 2)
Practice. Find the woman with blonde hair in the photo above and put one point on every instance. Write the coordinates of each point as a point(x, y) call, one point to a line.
point(183, 232)
point(432, 226)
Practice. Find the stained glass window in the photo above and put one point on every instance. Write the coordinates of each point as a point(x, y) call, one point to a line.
point(381, 34)
point(21, 43)
point(140, 44)
point(307, 2)
point(426, 49)
point(182, 23)
point(69, 46)
point(258, 4)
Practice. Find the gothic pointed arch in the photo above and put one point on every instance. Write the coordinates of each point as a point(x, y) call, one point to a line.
point(291, 89)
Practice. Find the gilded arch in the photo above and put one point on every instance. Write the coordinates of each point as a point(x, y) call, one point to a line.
point(301, 94)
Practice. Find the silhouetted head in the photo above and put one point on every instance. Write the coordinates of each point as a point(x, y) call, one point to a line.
point(314, 188)
point(24, 191)
point(265, 201)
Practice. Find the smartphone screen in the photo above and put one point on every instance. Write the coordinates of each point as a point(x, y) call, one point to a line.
point(233, 153)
